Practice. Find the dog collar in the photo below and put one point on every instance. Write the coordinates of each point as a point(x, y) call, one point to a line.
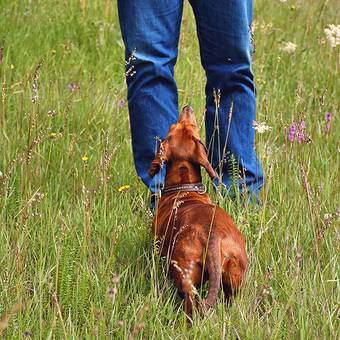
point(199, 187)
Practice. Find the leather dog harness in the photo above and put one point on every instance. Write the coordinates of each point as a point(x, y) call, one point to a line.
point(199, 187)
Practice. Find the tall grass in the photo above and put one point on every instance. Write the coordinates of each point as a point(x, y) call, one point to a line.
point(77, 259)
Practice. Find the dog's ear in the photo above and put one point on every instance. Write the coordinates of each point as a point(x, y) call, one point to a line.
point(162, 157)
point(202, 158)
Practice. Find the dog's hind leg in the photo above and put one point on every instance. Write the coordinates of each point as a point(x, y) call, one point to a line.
point(233, 274)
point(187, 278)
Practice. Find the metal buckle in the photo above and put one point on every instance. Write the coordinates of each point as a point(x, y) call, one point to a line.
point(204, 191)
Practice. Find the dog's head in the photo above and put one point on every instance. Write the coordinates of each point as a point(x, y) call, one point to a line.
point(182, 145)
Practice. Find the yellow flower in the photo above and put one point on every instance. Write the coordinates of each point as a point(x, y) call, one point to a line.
point(264, 156)
point(54, 52)
point(258, 80)
point(53, 135)
point(84, 159)
point(12, 66)
point(124, 187)
point(244, 221)
point(293, 7)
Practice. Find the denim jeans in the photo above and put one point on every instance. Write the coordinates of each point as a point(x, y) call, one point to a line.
point(152, 29)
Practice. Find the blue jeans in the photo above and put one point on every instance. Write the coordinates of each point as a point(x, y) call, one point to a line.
point(152, 28)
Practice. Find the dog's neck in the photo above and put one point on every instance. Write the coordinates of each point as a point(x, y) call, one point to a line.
point(185, 173)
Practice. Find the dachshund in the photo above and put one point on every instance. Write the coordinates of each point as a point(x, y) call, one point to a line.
point(201, 239)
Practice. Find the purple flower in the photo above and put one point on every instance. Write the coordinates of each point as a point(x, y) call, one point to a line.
point(297, 132)
point(121, 103)
point(329, 118)
point(72, 86)
point(301, 134)
point(291, 133)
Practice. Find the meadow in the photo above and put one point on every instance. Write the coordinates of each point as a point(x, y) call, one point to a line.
point(77, 258)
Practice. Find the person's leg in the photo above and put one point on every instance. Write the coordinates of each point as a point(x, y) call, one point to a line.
point(225, 44)
point(152, 29)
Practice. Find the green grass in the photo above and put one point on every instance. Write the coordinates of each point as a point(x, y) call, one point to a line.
point(77, 259)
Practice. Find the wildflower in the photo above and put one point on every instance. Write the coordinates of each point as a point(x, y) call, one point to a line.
point(54, 52)
point(333, 34)
point(53, 135)
point(321, 40)
point(12, 66)
point(124, 187)
point(119, 323)
point(84, 159)
point(115, 279)
point(302, 128)
point(289, 47)
point(261, 127)
point(293, 7)
point(283, 0)
point(121, 103)
point(266, 28)
point(291, 133)
point(244, 222)
point(329, 118)
point(254, 25)
point(72, 86)
point(297, 132)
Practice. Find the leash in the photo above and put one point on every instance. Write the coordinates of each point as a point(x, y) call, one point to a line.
point(199, 187)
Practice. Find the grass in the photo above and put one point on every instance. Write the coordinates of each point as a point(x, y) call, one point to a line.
point(77, 256)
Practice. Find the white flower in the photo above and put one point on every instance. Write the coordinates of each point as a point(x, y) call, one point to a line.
point(261, 127)
point(254, 25)
point(333, 34)
point(289, 47)
point(266, 28)
point(283, 0)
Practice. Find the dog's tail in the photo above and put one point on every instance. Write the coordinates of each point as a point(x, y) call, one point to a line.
point(213, 260)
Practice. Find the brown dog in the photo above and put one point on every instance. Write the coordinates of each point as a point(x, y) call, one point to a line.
point(201, 239)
